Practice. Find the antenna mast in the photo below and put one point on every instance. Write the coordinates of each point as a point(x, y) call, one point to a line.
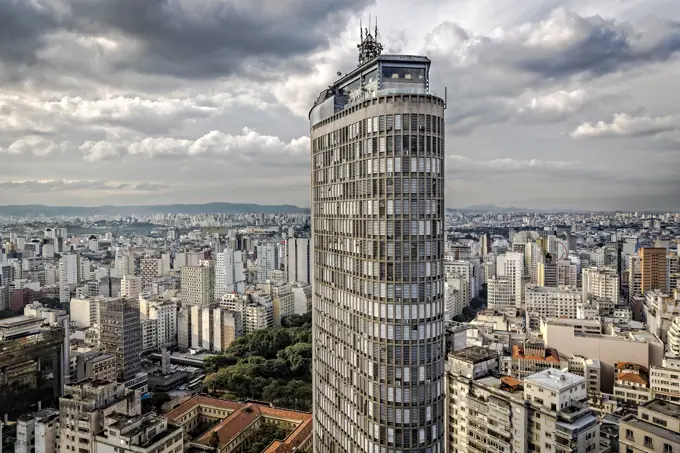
point(369, 48)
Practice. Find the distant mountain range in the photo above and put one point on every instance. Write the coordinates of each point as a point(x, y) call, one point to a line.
point(83, 211)
point(493, 208)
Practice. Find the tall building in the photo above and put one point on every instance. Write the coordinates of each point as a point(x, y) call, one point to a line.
point(600, 283)
point(501, 296)
point(510, 267)
point(197, 285)
point(150, 269)
point(130, 286)
point(547, 271)
point(267, 261)
point(567, 273)
point(546, 411)
point(84, 408)
point(33, 364)
point(38, 432)
point(229, 273)
point(124, 263)
point(297, 260)
point(653, 264)
point(560, 302)
point(121, 334)
point(377, 139)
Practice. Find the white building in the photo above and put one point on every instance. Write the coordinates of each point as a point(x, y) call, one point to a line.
point(130, 286)
point(297, 260)
point(197, 285)
point(510, 267)
point(500, 295)
point(140, 434)
point(125, 263)
point(600, 283)
point(229, 272)
point(267, 260)
point(37, 432)
point(149, 334)
point(83, 312)
point(561, 302)
point(545, 412)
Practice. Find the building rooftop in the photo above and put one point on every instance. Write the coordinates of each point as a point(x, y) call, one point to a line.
point(664, 407)
point(18, 321)
point(633, 421)
point(241, 416)
point(555, 379)
point(551, 354)
point(475, 354)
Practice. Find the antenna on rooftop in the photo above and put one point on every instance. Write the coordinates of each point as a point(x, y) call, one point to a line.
point(369, 48)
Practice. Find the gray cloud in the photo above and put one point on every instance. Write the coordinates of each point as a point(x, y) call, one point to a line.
point(625, 125)
point(194, 100)
point(74, 186)
point(183, 38)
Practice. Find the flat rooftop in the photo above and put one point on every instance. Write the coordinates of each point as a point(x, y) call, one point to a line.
point(474, 354)
point(19, 321)
point(664, 407)
point(554, 379)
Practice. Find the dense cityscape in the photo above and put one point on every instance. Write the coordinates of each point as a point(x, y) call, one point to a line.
point(367, 315)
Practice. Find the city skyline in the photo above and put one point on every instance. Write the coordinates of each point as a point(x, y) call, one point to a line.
point(561, 105)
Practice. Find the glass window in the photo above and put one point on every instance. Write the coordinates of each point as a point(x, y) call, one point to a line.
point(404, 74)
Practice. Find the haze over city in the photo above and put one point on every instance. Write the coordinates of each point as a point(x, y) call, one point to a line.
point(551, 104)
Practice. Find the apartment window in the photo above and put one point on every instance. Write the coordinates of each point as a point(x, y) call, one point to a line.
point(648, 441)
point(629, 434)
point(667, 448)
point(659, 421)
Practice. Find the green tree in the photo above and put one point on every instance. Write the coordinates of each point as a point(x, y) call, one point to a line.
point(214, 441)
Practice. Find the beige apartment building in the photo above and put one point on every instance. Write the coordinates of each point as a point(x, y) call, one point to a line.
point(655, 429)
point(139, 434)
point(485, 413)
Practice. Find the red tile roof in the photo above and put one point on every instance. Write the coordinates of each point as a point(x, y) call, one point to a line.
point(243, 415)
point(551, 355)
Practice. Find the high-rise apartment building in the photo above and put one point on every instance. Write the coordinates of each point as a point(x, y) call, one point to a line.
point(267, 261)
point(197, 284)
point(546, 411)
point(600, 283)
point(377, 144)
point(229, 272)
point(510, 267)
point(150, 269)
point(121, 334)
point(130, 286)
point(297, 260)
point(33, 364)
point(560, 302)
point(84, 408)
point(653, 265)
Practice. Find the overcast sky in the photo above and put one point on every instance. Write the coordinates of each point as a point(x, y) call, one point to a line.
point(551, 103)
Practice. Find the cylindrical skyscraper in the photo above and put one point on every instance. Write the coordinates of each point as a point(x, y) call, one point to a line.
point(378, 258)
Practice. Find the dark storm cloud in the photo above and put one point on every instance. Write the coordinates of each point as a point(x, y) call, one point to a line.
point(23, 24)
point(568, 44)
point(183, 38)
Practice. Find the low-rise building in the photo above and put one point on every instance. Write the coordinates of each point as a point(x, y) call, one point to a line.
point(237, 424)
point(139, 434)
point(654, 429)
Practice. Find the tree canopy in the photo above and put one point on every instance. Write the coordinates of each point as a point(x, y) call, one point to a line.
point(271, 364)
